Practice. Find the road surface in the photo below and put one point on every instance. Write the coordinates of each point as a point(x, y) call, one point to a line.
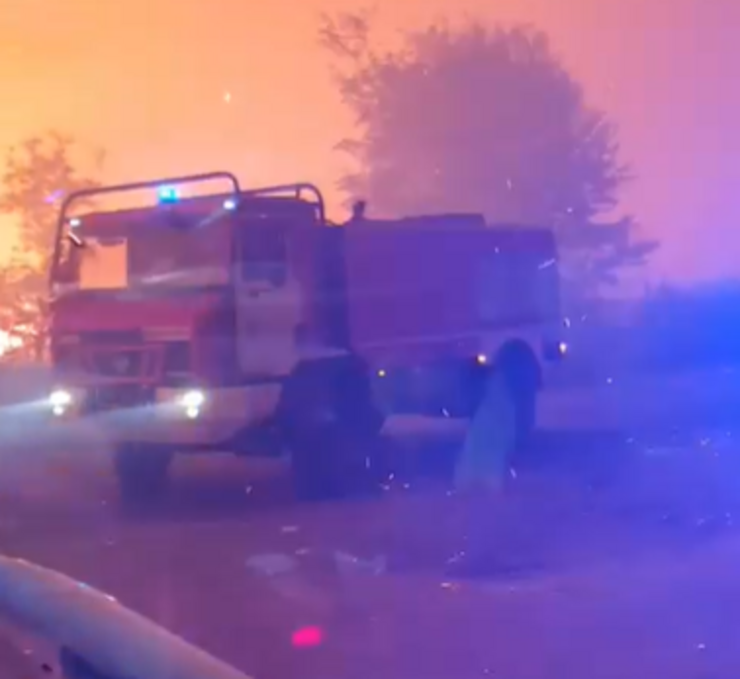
point(624, 561)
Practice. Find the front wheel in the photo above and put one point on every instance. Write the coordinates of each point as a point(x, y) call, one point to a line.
point(141, 471)
point(334, 461)
point(332, 430)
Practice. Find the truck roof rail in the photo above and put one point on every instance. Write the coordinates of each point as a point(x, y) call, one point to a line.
point(293, 190)
point(76, 196)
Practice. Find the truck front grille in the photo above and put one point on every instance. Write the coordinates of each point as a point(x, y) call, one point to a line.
point(118, 397)
point(124, 364)
point(109, 338)
point(166, 363)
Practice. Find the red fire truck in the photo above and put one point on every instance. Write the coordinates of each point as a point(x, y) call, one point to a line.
point(244, 320)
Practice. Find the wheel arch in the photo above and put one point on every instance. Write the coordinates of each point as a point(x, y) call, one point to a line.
point(518, 361)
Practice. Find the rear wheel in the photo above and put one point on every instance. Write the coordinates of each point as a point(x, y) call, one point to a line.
point(521, 382)
point(141, 471)
point(525, 404)
point(522, 378)
point(331, 427)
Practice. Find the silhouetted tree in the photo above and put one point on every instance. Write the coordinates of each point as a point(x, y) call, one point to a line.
point(487, 120)
point(38, 173)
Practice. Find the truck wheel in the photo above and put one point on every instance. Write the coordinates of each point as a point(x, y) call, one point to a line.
point(331, 427)
point(141, 471)
point(523, 382)
point(525, 403)
point(327, 464)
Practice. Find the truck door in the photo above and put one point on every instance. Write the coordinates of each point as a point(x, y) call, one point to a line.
point(268, 300)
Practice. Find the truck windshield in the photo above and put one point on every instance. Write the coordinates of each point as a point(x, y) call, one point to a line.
point(154, 257)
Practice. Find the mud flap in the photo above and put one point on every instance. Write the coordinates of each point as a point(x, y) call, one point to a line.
point(331, 427)
point(491, 438)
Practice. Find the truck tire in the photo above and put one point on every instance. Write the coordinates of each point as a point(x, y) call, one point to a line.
point(523, 382)
point(331, 427)
point(141, 471)
point(525, 402)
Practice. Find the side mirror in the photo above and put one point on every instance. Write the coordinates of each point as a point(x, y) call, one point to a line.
point(97, 637)
point(74, 666)
point(358, 211)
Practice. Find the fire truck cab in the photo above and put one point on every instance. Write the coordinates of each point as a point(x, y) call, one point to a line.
point(244, 320)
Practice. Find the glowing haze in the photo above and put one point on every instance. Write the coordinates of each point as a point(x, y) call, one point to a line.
point(171, 87)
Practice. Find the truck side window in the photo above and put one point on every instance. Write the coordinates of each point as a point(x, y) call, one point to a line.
point(264, 254)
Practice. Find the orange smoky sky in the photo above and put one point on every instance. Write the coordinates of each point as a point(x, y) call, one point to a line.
point(148, 79)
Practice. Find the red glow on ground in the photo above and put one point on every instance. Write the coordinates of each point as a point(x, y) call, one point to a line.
point(306, 637)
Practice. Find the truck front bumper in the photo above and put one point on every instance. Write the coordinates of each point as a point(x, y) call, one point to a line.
point(189, 417)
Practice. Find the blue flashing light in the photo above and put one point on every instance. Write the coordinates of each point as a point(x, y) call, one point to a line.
point(168, 194)
point(229, 204)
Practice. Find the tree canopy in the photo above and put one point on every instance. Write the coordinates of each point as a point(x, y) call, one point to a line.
point(39, 172)
point(486, 120)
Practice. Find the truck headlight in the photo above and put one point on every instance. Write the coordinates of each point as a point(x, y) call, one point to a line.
point(192, 401)
point(60, 400)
